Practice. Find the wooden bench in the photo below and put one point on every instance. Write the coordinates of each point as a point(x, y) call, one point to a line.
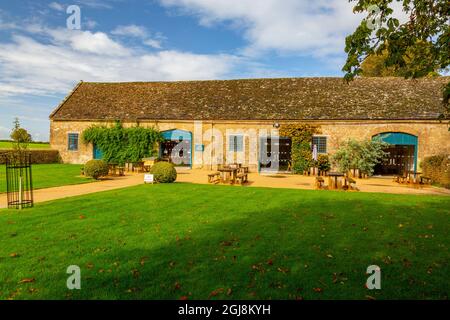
point(401, 179)
point(351, 183)
point(425, 180)
point(242, 177)
point(214, 177)
point(320, 182)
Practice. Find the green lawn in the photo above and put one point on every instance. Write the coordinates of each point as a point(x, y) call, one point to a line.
point(220, 242)
point(50, 175)
point(8, 145)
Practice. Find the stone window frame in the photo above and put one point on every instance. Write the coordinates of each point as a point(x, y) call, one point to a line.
point(234, 145)
point(77, 140)
point(326, 143)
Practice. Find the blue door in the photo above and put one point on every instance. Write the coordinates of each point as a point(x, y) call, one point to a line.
point(98, 154)
point(402, 152)
point(177, 147)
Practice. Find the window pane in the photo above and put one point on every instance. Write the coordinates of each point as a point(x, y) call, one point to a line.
point(236, 143)
point(321, 143)
point(73, 141)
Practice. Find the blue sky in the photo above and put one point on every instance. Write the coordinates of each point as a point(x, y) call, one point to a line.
point(158, 40)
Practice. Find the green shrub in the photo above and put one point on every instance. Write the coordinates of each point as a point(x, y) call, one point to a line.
point(438, 169)
point(96, 169)
point(323, 162)
point(164, 172)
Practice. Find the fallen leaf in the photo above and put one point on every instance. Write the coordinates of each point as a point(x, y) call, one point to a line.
point(143, 259)
point(27, 280)
point(400, 225)
point(90, 265)
point(215, 292)
point(319, 290)
point(184, 298)
point(283, 270)
point(330, 256)
point(135, 273)
point(370, 297)
point(14, 255)
point(270, 262)
point(177, 286)
point(82, 217)
point(229, 292)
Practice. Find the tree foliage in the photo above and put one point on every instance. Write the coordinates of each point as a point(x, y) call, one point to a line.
point(362, 155)
point(121, 145)
point(416, 47)
point(20, 137)
point(374, 65)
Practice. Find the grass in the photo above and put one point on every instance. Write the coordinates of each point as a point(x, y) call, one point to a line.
point(50, 175)
point(8, 145)
point(219, 242)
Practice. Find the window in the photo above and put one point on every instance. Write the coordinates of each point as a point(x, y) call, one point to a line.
point(321, 143)
point(236, 143)
point(73, 142)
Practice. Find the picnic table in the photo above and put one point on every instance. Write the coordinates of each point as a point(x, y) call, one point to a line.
point(413, 176)
point(334, 179)
point(115, 169)
point(228, 174)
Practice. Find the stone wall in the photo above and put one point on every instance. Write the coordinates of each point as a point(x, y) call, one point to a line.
point(433, 137)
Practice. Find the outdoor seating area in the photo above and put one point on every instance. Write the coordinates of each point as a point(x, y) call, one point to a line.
point(232, 174)
point(336, 181)
point(117, 170)
point(412, 178)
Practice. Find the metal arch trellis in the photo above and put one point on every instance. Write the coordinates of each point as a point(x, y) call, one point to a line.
point(19, 181)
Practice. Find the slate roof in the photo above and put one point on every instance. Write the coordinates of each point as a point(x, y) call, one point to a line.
point(257, 99)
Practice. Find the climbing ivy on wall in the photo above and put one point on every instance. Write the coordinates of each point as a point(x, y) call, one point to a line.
point(121, 145)
point(301, 137)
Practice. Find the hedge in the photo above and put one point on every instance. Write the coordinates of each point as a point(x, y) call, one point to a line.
point(438, 169)
point(37, 156)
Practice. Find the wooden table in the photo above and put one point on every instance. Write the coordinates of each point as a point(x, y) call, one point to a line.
point(231, 171)
point(112, 168)
point(413, 176)
point(336, 176)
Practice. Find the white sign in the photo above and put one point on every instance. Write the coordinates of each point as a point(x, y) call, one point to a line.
point(148, 178)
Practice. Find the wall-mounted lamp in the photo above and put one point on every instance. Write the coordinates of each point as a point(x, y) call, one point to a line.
point(276, 125)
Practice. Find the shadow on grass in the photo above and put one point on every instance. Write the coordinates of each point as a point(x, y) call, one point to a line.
point(312, 245)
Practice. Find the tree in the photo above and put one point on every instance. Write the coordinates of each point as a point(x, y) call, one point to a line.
point(20, 136)
point(418, 46)
point(374, 65)
point(361, 155)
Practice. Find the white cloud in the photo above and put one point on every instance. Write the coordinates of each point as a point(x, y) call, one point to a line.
point(141, 33)
point(316, 28)
point(53, 66)
point(130, 30)
point(90, 24)
point(57, 6)
point(97, 4)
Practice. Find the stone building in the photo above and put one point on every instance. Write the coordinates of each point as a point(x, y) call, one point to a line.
point(235, 120)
